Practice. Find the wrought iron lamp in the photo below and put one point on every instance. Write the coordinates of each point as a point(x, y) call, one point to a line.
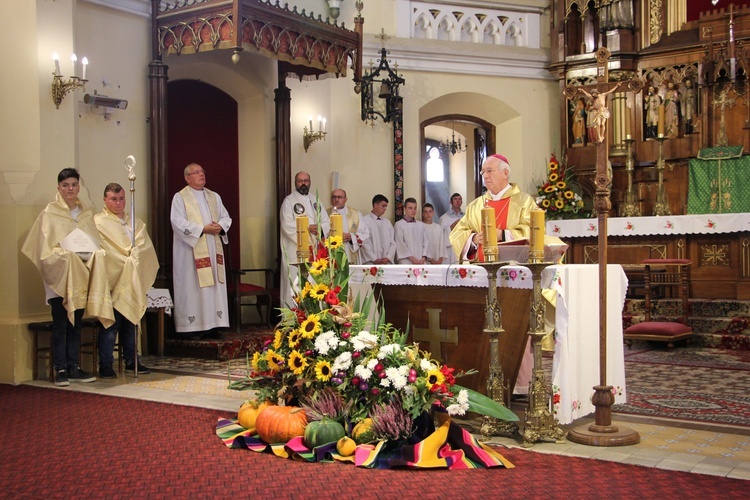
point(61, 87)
point(391, 107)
point(452, 146)
point(309, 135)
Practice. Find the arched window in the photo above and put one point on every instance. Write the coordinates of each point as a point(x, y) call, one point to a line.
point(435, 168)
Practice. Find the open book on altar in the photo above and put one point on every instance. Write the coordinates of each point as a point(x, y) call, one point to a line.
point(518, 251)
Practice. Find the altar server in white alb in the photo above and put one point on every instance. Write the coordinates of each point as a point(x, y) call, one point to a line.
point(410, 236)
point(298, 202)
point(380, 247)
point(449, 220)
point(200, 224)
point(355, 233)
point(437, 241)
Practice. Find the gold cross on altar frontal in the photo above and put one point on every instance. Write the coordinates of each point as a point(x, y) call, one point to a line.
point(434, 334)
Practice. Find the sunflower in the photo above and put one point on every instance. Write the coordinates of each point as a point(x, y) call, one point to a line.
point(319, 291)
point(323, 371)
point(561, 185)
point(297, 362)
point(294, 338)
point(435, 377)
point(255, 363)
point(545, 203)
point(549, 189)
point(275, 362)
point(552, 165)
point(569, 194)
point(318, 267)
point(553, 176)
point(559, 203)
point(305, 290)
point(310, 326)
point(335, 242)
point(278, 336)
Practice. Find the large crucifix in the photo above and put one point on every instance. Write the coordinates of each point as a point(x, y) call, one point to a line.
point(602, 432)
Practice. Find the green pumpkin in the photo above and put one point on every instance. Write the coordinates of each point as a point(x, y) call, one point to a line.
point(323, 432)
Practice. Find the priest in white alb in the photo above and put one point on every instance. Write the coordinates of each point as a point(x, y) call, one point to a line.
point(200, 224)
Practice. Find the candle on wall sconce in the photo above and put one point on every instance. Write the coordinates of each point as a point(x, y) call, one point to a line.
point(309, 135)
point(61, 87)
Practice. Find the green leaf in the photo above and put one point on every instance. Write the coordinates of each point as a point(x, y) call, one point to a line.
point(479, 403)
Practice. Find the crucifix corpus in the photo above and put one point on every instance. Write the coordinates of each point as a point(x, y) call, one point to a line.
point(602, 432)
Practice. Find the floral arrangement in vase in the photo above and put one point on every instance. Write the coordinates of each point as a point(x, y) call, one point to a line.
point(326, 347)
point(558, 194)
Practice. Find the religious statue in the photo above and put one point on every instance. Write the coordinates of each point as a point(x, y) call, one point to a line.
point(672, 111)
point(579, 122)
point(599, 111)
point(689, 106)
point(653, 101)
point(615, 14)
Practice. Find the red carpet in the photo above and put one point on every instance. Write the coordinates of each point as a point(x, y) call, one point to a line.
point(57, 444)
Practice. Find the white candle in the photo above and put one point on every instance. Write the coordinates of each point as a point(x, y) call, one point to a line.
point(309, 119)
point(84, 62)
point(320, 123)
point(74, 60)
point(324, 124)
point(56, 58)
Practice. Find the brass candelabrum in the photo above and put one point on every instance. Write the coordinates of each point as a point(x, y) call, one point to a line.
point(61, 87)
point(540, 423)
point(630, 207)
point(661, 207)
point(493, 327)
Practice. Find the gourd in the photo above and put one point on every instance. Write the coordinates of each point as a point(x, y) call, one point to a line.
point(323, 432)
point(362, 432)
point(249, 412)
point(346, 446)
point(279, 424)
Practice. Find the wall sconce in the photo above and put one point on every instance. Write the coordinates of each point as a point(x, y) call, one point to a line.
point(309, 136)
point(61, 87)
point(334, 8)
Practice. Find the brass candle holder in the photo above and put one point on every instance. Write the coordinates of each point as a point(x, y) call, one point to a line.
point(630, 207)
point(540, 423)
point(661, 207)
point(497, 387)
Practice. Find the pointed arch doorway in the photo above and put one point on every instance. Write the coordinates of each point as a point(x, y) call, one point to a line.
point(445, 171)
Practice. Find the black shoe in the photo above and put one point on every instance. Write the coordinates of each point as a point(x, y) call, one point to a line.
point(519, 398)
point(61, 378)
point(130, 368)
point(78, 375)
point(106, 371)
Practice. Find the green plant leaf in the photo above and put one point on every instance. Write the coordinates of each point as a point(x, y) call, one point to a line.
point(479, 403)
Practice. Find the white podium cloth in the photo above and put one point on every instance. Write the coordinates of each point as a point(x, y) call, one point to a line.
point(576, 359)
point(158, 298)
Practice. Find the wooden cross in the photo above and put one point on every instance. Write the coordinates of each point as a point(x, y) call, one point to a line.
point(434, 334)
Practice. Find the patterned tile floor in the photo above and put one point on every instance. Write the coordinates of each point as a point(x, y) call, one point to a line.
point(666, 444)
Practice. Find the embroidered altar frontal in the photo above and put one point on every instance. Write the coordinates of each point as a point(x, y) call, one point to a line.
point(717, 182)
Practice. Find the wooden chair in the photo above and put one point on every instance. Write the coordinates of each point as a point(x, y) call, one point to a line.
point(675, 275)
point(45, 352)
point(262, 295)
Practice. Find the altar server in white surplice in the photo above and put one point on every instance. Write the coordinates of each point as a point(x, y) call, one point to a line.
point(354, 232)
point(298, 202)
point(448, 221)
point(200, 224)
point(380, 247)
point(437, 242)
point(411, 238)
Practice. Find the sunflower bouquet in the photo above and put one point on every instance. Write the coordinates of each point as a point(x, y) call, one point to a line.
point(558, 193)
point(327, 343)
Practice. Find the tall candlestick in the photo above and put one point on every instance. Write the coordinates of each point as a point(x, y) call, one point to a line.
point(662, 119)
point(537, 235)
point(489, 232)
point(303, 237)
point(337, 225)
point(627, 122)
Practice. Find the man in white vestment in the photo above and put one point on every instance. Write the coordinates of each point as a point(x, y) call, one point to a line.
point(63, 244)
point(380, 247)
point(297, 203)
point(131, 271)
point(436, 238)
point(200, 224)
point(410, 236)
point(354, 232)
point(448, 221)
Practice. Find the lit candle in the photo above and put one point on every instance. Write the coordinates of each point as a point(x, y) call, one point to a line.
point(337, 225)
point(303, 236)
point(324, 124)
point(84, 62)
point(628, 137)
point(56, 58)
point(489, 232)
point(660, 123)
point(74, 60)
point(537, 234)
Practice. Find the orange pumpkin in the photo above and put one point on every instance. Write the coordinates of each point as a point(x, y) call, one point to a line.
point(249, 413)
point(279, 424)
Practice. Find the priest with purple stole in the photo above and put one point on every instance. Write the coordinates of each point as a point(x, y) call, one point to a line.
point(200, 224)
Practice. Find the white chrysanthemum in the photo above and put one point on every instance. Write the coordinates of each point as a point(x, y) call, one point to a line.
point(396, 377)
point(388, 349)
point(457, 409)
point(426, 365)
point(362, 372)
point(463, 397)
point(364, 340)
point(404, 370)
point(384, 382)
point(409, 390)
point(323, 342)
point(342, 362)
point(371, 364)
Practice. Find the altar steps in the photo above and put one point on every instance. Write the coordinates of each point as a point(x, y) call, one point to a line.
point(717, 323)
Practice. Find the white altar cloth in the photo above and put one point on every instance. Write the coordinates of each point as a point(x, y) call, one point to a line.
point(576, 359)
point(648, 226)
